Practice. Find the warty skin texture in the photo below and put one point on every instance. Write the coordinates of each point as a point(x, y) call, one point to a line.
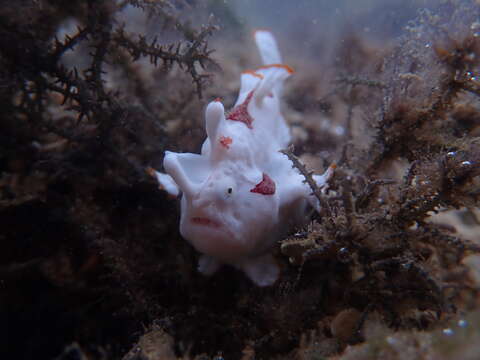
point(240, 194)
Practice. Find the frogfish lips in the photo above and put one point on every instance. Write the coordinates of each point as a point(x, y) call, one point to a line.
point(204, 221)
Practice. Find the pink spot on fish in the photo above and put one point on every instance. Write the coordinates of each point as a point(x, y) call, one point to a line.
point(240, 112)
point(265, 187)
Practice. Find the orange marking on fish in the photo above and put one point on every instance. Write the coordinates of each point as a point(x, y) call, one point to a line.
point(251, 72)
point(226, 141)
point(281, 66)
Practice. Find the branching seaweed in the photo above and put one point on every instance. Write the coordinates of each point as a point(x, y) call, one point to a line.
point(383, 248)
point(76, 137)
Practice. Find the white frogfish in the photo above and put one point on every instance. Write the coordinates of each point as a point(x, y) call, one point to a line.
point(240, 194)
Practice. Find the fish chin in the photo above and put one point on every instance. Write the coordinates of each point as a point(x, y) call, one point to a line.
point(212, 237)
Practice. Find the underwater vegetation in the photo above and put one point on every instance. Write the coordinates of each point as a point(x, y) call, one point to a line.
point(92, 264)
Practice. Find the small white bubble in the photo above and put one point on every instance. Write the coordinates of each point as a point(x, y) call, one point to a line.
point(471, 76)
point(339, 130)
point(451, 153)
point(475, 27)
point(391, 340)
point(448, 332)
point(462, 323)
point(427, 45)
point(466, 163)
